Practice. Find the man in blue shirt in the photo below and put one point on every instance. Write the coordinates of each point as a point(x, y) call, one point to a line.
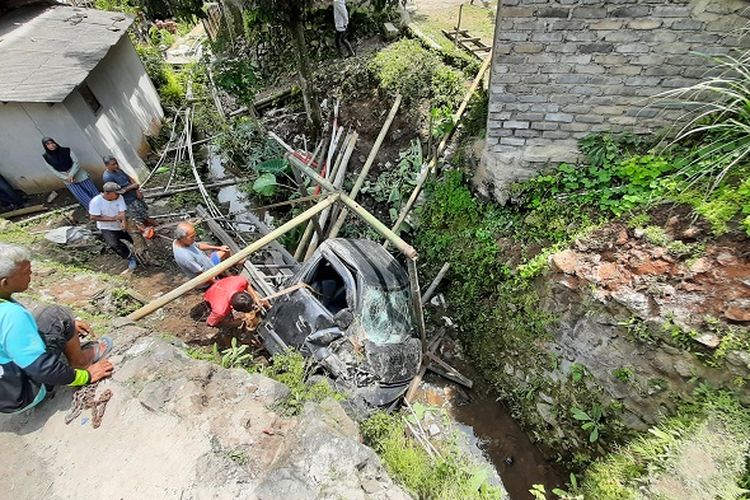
point(190, 256)
point(130, 191)
point(32, 346)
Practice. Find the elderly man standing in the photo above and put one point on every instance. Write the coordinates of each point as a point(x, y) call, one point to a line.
point(108, 210)
point(32, 347)
point(190, 256)
point(130, 190)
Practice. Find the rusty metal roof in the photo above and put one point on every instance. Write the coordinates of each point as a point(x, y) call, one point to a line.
point(45, 52)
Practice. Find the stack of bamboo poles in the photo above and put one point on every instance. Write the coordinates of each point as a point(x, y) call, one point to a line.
point(329, 223)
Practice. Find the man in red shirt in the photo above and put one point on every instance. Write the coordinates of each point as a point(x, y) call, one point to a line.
point(231, 293)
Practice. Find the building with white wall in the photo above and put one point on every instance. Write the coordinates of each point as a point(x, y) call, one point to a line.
point(71, 74)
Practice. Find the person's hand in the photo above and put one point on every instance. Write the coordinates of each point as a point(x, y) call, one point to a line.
point(139, 194)
point(82, 328)
point(224, 248)
point(99, 370)
point(70, 179)
point(265, 304)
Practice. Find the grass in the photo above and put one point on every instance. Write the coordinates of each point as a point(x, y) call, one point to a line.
point(290, 368)
point(645, 467)
point(449, 475)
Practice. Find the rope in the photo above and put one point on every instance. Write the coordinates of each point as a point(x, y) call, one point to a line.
point(85, 398)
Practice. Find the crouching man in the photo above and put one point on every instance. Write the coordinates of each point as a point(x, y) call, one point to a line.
point(190, 256)
point(108, 210)
point(32, 347)
point(229, 294)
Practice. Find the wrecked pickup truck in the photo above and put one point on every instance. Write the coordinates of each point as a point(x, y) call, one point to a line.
point(355, 318)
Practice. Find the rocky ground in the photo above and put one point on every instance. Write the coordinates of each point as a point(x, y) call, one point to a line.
point(182, 428)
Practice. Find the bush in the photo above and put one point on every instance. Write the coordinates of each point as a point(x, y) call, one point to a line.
point(417, 74)
point(448, 476)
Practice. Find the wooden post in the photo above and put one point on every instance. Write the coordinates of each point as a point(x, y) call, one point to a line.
point(458, 26)
point(433, 164)
point(231, 261)
point(366, 168)
point(416, 298)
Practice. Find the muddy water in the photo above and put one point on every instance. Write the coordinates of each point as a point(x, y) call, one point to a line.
point(489, 426)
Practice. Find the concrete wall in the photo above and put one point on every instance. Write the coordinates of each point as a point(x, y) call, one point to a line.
point(565, 68)
point(22, 127)
point(130, 108)
point(130, 111)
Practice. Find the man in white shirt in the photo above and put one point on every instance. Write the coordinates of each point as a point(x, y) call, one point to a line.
point(108, 210)
point(341, 21)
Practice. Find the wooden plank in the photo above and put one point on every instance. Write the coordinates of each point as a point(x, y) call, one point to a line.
point(23, 211)
point(444, 369)
point(481, 49)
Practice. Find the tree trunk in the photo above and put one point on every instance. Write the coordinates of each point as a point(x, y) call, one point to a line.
point(312, 107)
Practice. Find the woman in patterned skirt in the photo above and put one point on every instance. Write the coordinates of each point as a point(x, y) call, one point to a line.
point(64, 164)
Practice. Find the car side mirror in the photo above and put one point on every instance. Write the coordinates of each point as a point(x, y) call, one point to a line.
point(343, 318)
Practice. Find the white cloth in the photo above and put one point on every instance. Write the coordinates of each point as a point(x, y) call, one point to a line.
point(100, 206)
point(340, 15)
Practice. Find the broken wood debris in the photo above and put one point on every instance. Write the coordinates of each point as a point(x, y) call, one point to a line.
point(366, 167)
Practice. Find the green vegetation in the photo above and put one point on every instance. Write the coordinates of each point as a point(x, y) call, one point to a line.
point(634, 470)
point(417, 74)
point(290, 368)
point(623, 374)
point(444, 473)
point(591, 421)
point(395, 184)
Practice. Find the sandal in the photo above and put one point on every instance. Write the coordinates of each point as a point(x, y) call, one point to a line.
point(104, 344)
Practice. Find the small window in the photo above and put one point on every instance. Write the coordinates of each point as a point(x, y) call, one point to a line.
point(90, 98)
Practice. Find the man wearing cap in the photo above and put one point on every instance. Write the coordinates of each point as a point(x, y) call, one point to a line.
point(130, 190)
point(108, 210)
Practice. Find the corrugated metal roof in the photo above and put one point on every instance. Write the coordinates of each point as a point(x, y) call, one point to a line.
point(45, 52)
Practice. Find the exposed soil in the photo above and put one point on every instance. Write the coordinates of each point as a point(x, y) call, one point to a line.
point(655, 279)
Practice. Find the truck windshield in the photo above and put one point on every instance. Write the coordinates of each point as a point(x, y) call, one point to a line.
point(387, 316)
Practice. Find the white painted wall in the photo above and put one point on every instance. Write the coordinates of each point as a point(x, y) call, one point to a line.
point(130, 110)
point(22, 127)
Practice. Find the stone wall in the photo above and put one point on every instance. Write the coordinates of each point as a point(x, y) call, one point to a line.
point(565, 68)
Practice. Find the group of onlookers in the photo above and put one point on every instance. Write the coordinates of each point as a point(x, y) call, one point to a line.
point(121, 197)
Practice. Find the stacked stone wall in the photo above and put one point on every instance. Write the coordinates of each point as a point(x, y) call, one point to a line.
point(563, 69)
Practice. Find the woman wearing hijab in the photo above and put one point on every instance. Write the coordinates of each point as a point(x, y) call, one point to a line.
point(64, 164)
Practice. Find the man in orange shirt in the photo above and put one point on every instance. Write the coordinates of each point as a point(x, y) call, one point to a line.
point(228, 294)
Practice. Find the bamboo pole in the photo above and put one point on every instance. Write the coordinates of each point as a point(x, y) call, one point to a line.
point(23, 211)
point(302, 243)
point(424, 174)
point(231, 261)
point(358, 209)
point(366, 168)
point(435, 283)
point(337, 174)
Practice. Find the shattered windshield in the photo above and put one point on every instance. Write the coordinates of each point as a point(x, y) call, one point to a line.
point(387, 316)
